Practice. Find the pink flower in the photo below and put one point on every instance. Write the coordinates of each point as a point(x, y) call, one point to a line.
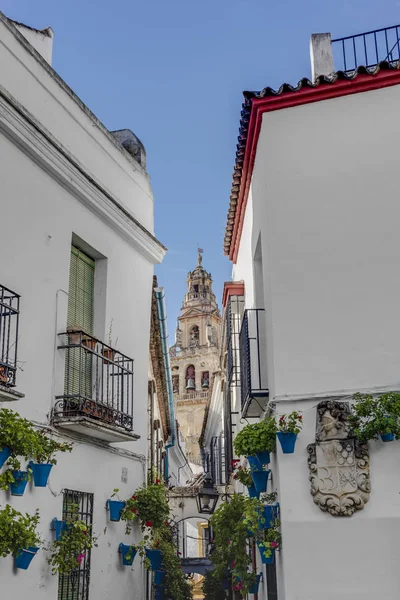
point(274, 544)
point(233, 564)
point(80, 558)
point(240, 585)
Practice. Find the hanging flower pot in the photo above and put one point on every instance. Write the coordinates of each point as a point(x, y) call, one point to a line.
point(155, 557)
point(159, 577)
point(253, 492)
point(40, 473)
point(159, 593)
point(89, 342)
point(5, 454)
point(387, 437)
point(253, 589)
point(24, 557)
point(128, 554)
point(267, 554)
point(264, 458)
point(288, 441)
point(109, 355)
point(260, 480)
point(115, 507)
point(254, 463)
point(21, 479)
point(269, 515)
point(58, 526)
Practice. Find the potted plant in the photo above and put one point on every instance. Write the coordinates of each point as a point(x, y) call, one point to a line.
point(128, 554)
point(289, 426)
point(213, 587)
point(254, 588)
point(18, 437)
point(108, 351)
point(159, 577)
point(256, 441)
point(14, 478)
point(58, 526)
point(268, 544)
point(149, 505)
point(269, 510)
point(43, 454)
point(71, 548)
point(244, 476)
point(374, 417)
point(115, 506)
point(18, 536)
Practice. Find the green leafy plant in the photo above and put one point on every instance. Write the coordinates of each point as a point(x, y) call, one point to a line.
point(212, 587)
point(17, 531)
point(71, 548)
point(7, 477)
point(256, 437)
point(269, 498)
point(17, 433)
point(46, 447)
point(115, 494)
point(372, 416)
point(244, 476)
point(176, 585)
point(149, 504)
point(291, 423)
point(270, 539)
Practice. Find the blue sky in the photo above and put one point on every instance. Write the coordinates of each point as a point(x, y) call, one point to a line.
point(173, 72)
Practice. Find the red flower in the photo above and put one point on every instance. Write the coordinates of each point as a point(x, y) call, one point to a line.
point(179, 552)
point(158, 480)
point(235, 476)
point(133, 497)
point(300, 417)
point(149, 523)
point(166, 523)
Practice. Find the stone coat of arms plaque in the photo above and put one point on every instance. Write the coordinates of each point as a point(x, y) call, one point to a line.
point(338, 463)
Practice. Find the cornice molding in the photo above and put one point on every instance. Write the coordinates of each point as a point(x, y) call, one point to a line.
point(39, 144)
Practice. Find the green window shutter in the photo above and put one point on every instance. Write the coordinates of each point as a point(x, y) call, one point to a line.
point(81, 291)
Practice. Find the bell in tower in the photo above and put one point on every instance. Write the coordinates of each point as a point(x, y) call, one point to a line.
point(190, 378)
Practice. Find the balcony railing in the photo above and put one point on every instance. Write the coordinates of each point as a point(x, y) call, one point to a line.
point(98, 382)
point(9, 321)
point(253, 364)
point(366, 49)
point(232, 328)
point(191, 396)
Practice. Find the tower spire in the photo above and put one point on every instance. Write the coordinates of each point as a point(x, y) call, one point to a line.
point(200, 257)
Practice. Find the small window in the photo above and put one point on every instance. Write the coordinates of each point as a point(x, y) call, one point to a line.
point(81, 291)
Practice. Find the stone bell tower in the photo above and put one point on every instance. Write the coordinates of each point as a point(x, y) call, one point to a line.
point(194, 356)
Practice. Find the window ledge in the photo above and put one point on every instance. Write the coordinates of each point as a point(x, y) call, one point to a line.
point(9, 394)
point(95, 429)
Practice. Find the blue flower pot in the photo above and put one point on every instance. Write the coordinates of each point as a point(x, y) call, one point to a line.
point(5, 454)
point(159, 593)
point(24, 557)
point(18, 487)
point(253, 492)
point(225, 585)
point(253, 589)
point(254, 463)
point(260, 480)
point(387, 437)
point(270, 514)
point(115, 507)
point(264, 458)
point(40, 473)
point(58, 526)
point(128, 554)
point(266, 560)
point(287, 441)
point(155, 557)
point(159, 577)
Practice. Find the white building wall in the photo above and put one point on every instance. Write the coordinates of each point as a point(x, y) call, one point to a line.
point(323, 201)
point(43, 208)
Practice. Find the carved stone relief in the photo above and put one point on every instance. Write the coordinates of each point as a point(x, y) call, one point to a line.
point(338, 463)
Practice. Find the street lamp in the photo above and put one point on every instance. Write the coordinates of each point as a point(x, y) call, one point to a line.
point(207, 497)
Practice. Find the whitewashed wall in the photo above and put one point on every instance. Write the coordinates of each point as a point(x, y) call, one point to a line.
point(324, 203)
point(45, 201)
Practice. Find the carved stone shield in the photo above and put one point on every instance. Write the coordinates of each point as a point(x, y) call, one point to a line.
point(339, 465)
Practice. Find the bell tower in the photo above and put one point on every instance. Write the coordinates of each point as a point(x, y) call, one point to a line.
point(194, 356)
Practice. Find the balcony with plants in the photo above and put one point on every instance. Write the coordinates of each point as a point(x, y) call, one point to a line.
point(97, 399)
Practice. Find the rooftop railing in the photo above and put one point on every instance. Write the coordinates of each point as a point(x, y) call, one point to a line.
point(98, 382)
point(366, 49)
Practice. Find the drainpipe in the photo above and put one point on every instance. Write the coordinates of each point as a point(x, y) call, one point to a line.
point(162, 319)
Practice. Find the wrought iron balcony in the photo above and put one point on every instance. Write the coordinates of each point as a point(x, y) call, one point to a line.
point(233, 314)
point(253, 363)
point(366, 49)
point(9, 321)
point(98, 389)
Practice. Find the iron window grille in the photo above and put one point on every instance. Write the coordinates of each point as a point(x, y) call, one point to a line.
point(75, 586)
point(98, 382)
point(366, 49)
point(228, 436)
point(253, 381)
point(234, 311)
point(9, 323)
point(217, 460)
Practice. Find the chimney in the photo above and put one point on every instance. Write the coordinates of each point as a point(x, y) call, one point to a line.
point(321, 55)
point(41, 40)
point(132, 145)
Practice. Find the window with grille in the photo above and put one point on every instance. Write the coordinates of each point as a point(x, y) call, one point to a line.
point(75, 586)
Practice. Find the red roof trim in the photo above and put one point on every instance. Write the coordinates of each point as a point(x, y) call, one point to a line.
point(362, 83)
point(232, 288)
